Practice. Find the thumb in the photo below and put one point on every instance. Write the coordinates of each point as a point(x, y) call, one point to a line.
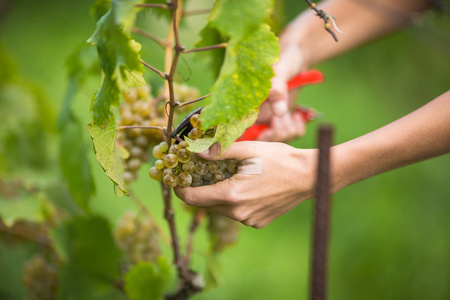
point(238, 151)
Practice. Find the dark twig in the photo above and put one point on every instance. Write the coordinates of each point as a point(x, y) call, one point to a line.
point(321, 216)
point(193, 101)
point(153, 5)
point(196, 220)
point(324, 16)
point(196, 12)
point(161, 74)
point(164, 43)
point(28, 233)
point(218, 46)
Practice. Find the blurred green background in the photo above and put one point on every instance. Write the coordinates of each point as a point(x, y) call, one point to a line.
point(390, 234)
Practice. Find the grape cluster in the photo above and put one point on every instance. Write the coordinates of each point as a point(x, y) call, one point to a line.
point(138, 238)
point(223, 231)
point(40, 279)
point(176, 165)
point(138, 110)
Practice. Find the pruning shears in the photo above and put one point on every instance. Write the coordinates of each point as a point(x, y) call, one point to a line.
point(307, 114)
point(251, 133)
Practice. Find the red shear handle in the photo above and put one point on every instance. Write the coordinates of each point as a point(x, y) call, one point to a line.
point(302, 79)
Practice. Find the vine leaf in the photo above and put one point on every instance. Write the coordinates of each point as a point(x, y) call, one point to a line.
point(244, 79)
point(148, 281)
point(104, 140)
point(211, 36)
point(226, 134)
point(118, 56)
point(90, 259)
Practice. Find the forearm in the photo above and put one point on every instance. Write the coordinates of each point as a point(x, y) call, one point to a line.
point(304, 42)
point(422, 134)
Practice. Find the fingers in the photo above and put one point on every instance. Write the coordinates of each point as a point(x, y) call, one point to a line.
point(204, 196)
point(238, 151)
point(283, 128)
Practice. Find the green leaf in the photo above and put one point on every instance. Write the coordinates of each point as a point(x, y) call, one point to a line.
point(211, 36)
point(226, 134)
point(236, 19)
point(75, 164)
point(91, 259)
point(104, 140)
point(100, 8)
point(23, 207)
point(244, 80)
point(148, 281)
point(118, 56)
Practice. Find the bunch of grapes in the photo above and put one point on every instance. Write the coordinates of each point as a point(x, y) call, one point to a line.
point(138, 110)
point(40, 279)
point(223, 231)
point(138, 238)
point(178, 166)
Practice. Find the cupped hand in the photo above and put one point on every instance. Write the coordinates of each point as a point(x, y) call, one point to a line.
point(286, 178)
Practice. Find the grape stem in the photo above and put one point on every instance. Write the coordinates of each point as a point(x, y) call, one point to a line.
point(153, 5)
point(218, 46)
point(161, 74)
point(194, 101)
point(26, 233)
point(164, 43)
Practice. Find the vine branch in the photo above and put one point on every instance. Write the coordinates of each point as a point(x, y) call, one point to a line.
point(326, 19)
point(218, 46)
point(194, 101)
point(196, 220)
point(196, 12)
point(164, 43)
point(153, 5)
point(161, 74)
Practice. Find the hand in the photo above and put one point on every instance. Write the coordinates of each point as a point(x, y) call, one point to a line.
point(287, 178)
point(277, 110)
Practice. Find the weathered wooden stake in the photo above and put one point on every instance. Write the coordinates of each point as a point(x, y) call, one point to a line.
point(321, 216)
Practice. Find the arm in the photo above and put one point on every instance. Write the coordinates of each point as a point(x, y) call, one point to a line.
point(288, 174)
point(305, 43)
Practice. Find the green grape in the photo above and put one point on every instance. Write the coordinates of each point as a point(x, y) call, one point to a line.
point(159, 164)
point(208, 182)
point(201, 168)
point(173, 149)
point(127, 118)
point(170, 161)
point(184, 155)
point(145, 109)
point(163, 146)
point(219, 176)
point(170, 180)
point(134, 163)
point(128, 177)
point(142, 141)
point(130, 96)
point(135, 132)
point(40, 279)
point(223, 231)
point(155, 173)
point(196, 177)
point(183, 144)
point(184, 179)
point(232, 166)
point(194, 158)
point(143, 91)
point(189, 167)
point(208, 176)
point(214, 167)
point(137, 237)
point(136, 152)
point(195, 121)
point(195, 133)
point(157, 153)
point(223, 166)
point(227, 174)
point(196, 183)
point(167, 171)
